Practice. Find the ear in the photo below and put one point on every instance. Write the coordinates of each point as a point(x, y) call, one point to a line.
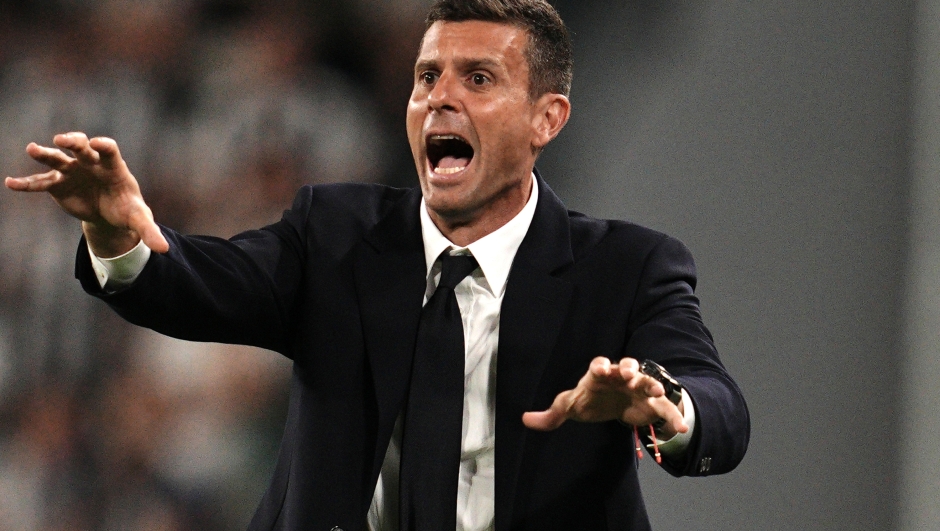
point(551, 115)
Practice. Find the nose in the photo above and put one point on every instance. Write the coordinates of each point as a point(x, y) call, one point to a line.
point(442, 96)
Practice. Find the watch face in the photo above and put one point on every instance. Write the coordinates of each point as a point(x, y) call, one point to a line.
point(671, 385)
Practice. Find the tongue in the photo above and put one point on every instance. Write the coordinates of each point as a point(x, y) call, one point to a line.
point(453, 162)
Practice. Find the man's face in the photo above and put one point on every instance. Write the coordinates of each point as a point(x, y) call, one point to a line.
point(471, 124)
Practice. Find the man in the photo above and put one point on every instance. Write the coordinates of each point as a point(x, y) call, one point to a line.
point(338, 286)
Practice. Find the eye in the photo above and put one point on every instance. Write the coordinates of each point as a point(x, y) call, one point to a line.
point(428, 78)
point(479, 79)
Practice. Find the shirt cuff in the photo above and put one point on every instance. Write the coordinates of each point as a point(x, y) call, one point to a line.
point(678, 443)
point(120, 272)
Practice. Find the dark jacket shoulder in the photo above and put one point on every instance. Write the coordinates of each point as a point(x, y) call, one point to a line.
point(320, 213)
point(625, 238)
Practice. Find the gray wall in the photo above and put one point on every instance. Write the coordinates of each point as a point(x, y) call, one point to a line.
point(920, 451)
point(772, 138)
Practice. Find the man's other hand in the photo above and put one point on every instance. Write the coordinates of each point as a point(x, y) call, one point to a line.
point(95, 186)
point(611, 391)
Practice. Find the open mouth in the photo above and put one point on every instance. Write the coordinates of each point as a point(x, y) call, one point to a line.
point(448, 154)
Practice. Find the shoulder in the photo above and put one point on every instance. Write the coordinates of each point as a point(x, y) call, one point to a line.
point(625, 237)
point(335, 216)
point(356, 199)
point(349, 203)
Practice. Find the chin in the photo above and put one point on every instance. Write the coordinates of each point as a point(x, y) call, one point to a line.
point(449, 206)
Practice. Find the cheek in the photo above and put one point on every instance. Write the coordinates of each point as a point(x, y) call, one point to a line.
point(411, 117)
point(414, 121)
point(510, 141)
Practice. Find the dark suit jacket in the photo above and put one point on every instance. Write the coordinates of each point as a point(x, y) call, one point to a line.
point(337, 286)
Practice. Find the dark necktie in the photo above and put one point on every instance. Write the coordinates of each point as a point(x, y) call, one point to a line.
point(430, 456)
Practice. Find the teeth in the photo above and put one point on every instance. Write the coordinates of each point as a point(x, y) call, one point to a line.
point(446, 137)
point(449, 171)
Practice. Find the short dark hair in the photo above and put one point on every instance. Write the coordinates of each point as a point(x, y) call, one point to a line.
point(549, 50)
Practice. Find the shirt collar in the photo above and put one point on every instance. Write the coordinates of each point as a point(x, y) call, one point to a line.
point(494, 252)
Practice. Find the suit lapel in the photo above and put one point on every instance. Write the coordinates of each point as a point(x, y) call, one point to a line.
point(532, 313)
point(390, 280)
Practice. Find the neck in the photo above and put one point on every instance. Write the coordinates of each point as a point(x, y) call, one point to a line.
point(465, 229)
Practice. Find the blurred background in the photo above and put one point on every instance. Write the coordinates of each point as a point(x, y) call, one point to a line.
point(792, 145)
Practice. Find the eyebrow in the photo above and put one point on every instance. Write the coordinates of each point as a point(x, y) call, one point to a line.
point(465, 64)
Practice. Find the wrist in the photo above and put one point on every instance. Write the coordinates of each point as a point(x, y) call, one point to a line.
point(107, 241)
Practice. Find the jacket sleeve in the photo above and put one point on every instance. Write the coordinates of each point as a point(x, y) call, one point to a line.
point(241, 290)
point(666, 326)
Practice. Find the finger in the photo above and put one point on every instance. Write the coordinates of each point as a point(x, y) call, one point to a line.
point(107, 150)
point(142, 222)
point(40, 182)
point(671, 414)
point(645, 385)
point(77, 143)
point(600, 368)
point(541, 420)
point(629, 368)
point(52, 157)
point(551, 418)
point(639, 381)
point(653, 387)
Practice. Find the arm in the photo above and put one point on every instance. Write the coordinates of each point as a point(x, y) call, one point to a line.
point(665, 325)
point(241, 290)
point(208, 289)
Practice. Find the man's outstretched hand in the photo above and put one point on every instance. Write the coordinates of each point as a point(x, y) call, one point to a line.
point(612, 392)
point(95, 186)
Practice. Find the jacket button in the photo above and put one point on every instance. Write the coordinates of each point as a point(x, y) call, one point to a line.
point(336, 528)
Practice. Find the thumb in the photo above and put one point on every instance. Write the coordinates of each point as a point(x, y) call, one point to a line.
point(142, 222)
point(549, 419)
point(546, 420)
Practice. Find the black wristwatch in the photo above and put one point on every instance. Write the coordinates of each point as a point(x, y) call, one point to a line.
point(671, 385)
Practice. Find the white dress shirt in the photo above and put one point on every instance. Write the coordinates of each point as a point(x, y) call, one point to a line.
point(479, 297)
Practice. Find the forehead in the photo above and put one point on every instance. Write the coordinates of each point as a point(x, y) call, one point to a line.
point(474, 40)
